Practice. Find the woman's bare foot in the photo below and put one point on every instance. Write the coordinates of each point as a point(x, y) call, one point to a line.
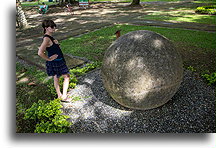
point(60, 96)
point(67, 99)
point(64, 97)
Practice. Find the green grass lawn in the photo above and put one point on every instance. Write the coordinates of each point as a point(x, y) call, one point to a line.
point(94, 44)
point(140, 0)
point(35, 3)
point(196, 47)
point(180, 15)
point(174, 12)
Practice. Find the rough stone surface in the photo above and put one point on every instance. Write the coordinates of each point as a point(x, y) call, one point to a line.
point(142, 70)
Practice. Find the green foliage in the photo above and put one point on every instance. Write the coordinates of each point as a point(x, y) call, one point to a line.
point(180, 16)
point(206, 9)
point(83, 46)
point(48, 117)
point(31, 110)
point(191, 68)
point(76, 98)
point(35, 3)
point(26, 94)
point(51, 88)
point(81, 71)
point(73, 76)
point(211, 78)
point(72, 83)
point(187, 41)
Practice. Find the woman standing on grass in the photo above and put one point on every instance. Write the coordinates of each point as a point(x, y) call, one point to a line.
point(55, 62)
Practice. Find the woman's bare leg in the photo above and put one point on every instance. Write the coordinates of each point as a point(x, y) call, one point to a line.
point(65, 85)
point(57, 87)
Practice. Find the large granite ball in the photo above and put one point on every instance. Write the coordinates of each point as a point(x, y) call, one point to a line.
point(142, 70)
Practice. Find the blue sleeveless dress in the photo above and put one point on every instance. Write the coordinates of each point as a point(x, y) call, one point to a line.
point(58, 66)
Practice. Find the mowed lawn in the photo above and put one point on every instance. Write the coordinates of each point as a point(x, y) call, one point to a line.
point(190, 44)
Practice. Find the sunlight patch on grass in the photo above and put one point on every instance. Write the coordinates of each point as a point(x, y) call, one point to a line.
point(180, 16)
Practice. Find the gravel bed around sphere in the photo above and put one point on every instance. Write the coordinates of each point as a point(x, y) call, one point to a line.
point(191, 110)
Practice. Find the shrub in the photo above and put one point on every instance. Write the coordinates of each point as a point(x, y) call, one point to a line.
point(48, 117)
point(211, 78)
point(81, 71)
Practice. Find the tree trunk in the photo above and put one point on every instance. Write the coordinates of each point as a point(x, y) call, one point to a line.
point(20, 17)
point(135, 3)
point(61, 2)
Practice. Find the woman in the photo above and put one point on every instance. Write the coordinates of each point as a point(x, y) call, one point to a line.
point(55, 62)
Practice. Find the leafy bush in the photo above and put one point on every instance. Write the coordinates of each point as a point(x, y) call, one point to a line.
point(206, 9)
point(211, 78)
point(81, 71)
point(48, 117)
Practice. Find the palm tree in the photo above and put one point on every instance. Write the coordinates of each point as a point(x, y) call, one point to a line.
point(20, 16)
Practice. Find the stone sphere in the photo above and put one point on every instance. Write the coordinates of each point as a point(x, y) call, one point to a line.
point(142, 70)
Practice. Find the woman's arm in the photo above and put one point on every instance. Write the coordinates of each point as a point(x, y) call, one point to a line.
point(42, 49)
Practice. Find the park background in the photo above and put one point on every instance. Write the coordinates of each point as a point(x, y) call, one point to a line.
point(9, 139)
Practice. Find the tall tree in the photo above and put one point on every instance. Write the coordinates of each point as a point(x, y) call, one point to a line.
point(135, 3)
point(20, 16)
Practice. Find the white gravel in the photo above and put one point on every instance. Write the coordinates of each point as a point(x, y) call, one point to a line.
point(191, 110)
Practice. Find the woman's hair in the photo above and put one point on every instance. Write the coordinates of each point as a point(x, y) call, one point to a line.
point(48, 23)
